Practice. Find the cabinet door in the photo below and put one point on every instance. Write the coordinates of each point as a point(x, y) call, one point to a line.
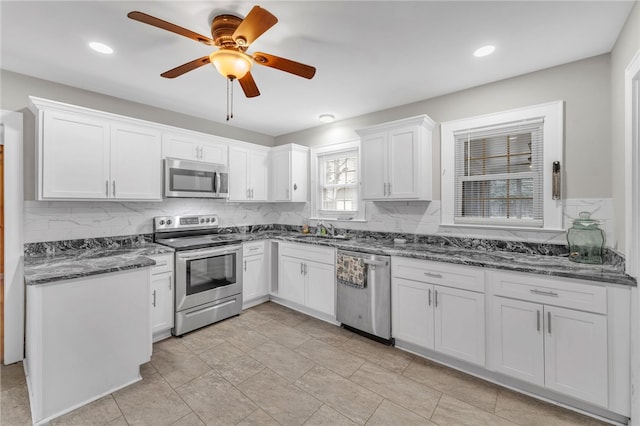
point(412, 312)
point(161, 302)
point(74, 156)
point(576, 354)
point(258, 175)
point(180, 146)
point(299, 175)
point(238, 174)
point(291, 279)
point(254, 278)
point(320, 287)
point(281, 176)
point(459, 324)
point(403, 157)
point(518, 339)
point(374, 166)
point(136, 163)
point(212, 152)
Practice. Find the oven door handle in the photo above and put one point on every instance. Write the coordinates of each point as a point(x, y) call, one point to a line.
point(207, 253)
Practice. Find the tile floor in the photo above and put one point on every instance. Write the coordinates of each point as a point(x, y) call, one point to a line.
point(272, 365)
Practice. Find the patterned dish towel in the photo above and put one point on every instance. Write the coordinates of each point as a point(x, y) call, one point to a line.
point(351, 271)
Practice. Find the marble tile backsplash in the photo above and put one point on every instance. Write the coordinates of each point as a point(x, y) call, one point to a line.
point(61, 220)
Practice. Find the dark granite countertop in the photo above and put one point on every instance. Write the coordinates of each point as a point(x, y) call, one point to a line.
point(551, 265)
point(84, 262)
point(48, 262)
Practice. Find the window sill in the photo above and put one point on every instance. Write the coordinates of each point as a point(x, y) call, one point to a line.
point(335, 219)
point(502, 228)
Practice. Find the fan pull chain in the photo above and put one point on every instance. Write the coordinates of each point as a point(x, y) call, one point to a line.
point(229, 98)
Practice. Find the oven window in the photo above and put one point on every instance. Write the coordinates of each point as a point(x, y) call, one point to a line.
point(192, 180)
point(211, 272)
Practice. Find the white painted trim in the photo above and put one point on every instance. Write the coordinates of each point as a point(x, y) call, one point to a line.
point(553, 113)
point(13, 237)
point(632, 217)
point(313, 180)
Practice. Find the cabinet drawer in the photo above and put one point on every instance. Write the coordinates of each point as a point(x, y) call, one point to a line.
point(550, 291)
point(309, 252)
point(164, 263)
point(445, 274)
point(249, 249)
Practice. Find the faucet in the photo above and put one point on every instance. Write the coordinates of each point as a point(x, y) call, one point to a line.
point(331, 230)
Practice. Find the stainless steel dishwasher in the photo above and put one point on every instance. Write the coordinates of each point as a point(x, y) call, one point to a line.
point(365, 305)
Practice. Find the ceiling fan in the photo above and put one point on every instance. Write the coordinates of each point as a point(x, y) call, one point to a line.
point(232, 35)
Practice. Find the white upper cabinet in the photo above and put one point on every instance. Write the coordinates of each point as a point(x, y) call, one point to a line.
point(194, 146)
point(289, 173)
point(84, 154)
point(248, 174)
point(397, 160)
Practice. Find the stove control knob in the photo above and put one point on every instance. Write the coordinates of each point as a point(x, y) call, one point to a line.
point(208, 220)
point(168, 221)
point(201, 220)
point(161, 222)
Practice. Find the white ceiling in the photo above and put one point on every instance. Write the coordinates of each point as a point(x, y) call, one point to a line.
point(369, 55)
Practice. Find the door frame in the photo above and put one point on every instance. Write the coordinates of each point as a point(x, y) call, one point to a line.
point(14, 291)
point(632, 218)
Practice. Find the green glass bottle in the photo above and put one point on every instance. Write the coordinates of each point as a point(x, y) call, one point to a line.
point(586, 240)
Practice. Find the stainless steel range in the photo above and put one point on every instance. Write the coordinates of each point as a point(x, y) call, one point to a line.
point(208, 271)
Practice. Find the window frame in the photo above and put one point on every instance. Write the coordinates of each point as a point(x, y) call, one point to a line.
point(316, 155)
point(552, 114)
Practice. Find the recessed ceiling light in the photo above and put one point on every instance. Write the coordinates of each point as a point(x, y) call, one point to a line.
point(101, 47)
point(326, 118)
point(484, 51)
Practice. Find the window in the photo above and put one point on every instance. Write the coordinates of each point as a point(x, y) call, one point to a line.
point(497, 168)
point(336, 182)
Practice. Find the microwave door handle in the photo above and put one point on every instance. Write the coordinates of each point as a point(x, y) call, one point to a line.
point(217, 183)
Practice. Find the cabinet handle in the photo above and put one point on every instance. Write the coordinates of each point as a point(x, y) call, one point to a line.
point(301, 268)
point(538, 320)
point(544, 293)
point(433, 275)
point(429, 298)
point(435, 298)
point(245, 264)
point(154, 299)
point(384, 189)
point(114, 188)
point(253, 248)
point(549, 321)
point(106, 188)
point(247, 193)
point(389, 189)
point(160, 264)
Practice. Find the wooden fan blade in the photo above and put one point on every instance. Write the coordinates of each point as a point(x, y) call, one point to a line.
point(253, 26)
point(184, 68)
point(249, 86)
point(156, 22)
point(283, 64)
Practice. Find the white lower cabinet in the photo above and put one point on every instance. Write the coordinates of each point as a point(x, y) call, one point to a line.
point(162, 313)
point(306, 277)
point(438, 317)
point(255, 273)
point(549, 344)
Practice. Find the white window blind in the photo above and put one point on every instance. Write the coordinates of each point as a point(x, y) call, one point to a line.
point(499, 174)
point(339, 182)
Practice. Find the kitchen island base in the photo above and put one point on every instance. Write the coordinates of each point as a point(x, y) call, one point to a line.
point(86, 338)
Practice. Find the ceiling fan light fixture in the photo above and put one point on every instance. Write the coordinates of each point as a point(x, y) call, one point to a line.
point(231, 63)
point(326, 118)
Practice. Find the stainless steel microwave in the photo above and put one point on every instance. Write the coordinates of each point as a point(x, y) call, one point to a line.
point(195, 179)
